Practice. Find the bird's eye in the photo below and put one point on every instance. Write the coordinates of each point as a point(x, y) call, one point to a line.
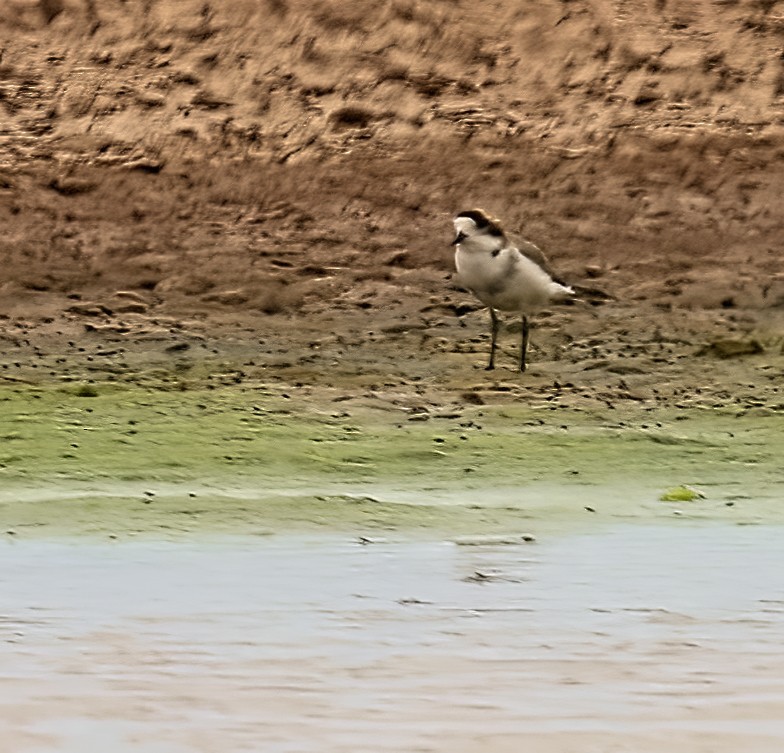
point(459, 238)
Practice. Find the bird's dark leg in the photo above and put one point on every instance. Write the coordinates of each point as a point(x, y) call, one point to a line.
point(494, 323)
point(524, 343)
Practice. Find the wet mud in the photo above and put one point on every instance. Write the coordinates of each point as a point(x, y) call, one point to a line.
point(114, 460)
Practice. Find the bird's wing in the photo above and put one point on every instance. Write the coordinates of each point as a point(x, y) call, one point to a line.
point(536, 255)
point(590, 294)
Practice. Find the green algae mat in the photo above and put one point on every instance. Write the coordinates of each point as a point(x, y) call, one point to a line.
point(115, 460)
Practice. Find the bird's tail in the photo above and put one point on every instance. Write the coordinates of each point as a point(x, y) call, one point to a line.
point(592, 295)
point(571, 294)
point(559, 292)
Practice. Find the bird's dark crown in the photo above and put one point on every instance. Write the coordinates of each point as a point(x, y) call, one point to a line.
point(483, 221)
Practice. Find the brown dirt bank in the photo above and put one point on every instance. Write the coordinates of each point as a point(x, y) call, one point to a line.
point(265, 188)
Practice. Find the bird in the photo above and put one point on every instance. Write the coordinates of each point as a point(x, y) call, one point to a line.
point(503, 275)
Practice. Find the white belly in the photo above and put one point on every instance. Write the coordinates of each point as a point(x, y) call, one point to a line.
point(508, 281)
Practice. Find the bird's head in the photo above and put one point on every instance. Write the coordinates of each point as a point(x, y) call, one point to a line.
point(476, 227)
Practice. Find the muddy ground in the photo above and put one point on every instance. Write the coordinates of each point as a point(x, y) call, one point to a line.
point(213, 192)
point(117, 461)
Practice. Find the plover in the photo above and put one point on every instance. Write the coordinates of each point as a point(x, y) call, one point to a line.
point(502, 275)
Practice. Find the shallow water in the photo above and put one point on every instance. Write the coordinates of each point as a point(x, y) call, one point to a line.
point(631, 638)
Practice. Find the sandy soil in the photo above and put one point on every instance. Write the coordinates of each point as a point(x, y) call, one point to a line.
point(269, 185)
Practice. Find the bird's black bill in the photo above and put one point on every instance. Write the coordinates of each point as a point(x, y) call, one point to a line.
point(459, 238)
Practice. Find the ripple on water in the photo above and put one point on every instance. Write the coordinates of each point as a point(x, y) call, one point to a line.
point(637, 636)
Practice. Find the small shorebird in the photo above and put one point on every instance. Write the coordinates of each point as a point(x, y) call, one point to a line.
point(503, 275)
